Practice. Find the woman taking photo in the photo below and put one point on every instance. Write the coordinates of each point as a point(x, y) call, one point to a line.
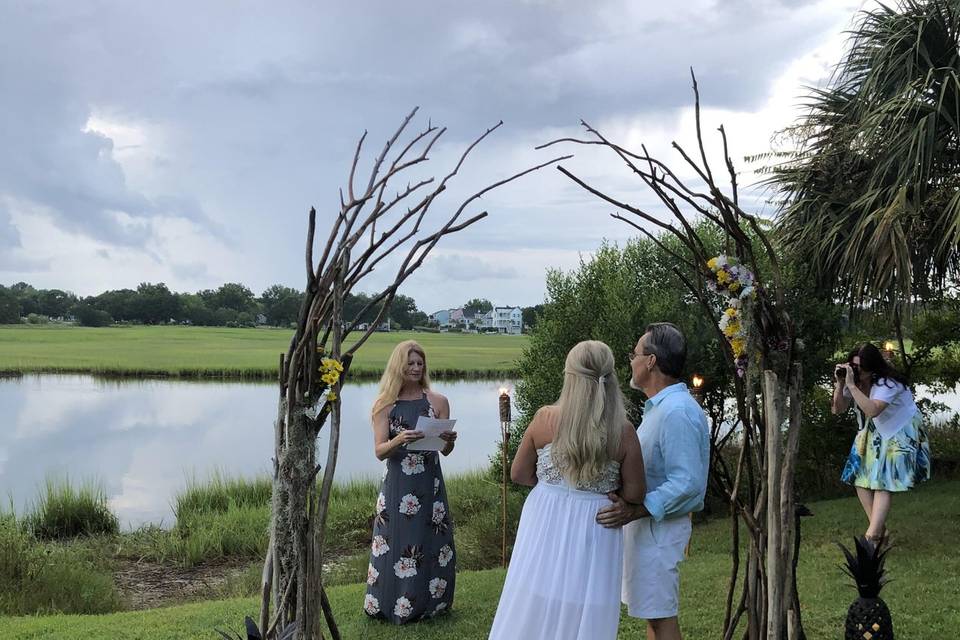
point(412, 565)
point(565, 572)
point(890, 452)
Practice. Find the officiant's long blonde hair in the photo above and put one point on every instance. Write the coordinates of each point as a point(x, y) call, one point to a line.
point(392, 379)
point(592, 414)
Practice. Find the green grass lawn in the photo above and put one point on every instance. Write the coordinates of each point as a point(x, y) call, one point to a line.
point(215, 351)
point(922, 597)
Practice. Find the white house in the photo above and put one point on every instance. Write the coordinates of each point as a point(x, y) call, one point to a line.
point(504, 319)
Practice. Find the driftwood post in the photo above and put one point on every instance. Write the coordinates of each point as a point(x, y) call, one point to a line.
point(375, 220)
point(767, 384)
point(505, 420)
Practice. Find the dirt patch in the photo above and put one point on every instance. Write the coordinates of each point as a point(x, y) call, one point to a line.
point(145, 585)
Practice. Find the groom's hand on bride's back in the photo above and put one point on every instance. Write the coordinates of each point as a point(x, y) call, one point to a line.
point(619, 513)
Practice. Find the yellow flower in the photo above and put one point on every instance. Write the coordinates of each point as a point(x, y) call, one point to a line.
point(723, 277)
point(731, 329)
point(730, 312)
point(331, 396)
point(739, 346)
point(734, 286)
point(712, 263)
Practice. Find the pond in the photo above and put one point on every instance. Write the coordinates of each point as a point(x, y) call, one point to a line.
point(143, 439)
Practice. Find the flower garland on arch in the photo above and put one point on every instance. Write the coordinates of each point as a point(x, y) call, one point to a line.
point(737, 284)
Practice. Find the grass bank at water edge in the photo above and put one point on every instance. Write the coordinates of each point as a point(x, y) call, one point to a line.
point(215, 352)
point(922, 596)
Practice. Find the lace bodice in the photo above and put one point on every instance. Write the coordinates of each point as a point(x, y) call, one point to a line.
point(547, 472)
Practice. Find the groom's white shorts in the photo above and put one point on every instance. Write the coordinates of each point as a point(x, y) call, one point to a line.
point(652, 553)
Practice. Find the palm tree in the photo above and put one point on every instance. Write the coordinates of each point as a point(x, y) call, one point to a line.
point(870, 198)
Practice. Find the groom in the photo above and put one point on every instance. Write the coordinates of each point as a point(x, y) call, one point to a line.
point(675, 441)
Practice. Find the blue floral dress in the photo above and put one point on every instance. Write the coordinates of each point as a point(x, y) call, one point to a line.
point(412, 568)
point(894, 463)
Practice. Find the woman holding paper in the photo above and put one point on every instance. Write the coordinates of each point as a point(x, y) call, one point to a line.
point(891, 452)
point(412, 566)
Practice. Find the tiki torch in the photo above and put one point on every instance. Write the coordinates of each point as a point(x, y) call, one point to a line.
point(504, 439)
point(697, 388)
point(888, 349)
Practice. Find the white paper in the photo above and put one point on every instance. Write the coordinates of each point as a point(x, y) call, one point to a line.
point(431, 428)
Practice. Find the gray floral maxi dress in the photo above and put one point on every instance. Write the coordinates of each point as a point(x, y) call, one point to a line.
point(412, 565)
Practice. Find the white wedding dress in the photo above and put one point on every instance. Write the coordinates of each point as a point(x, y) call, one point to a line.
point(564, 577)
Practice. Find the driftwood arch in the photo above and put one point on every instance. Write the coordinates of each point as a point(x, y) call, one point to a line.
point(375, 221)
point(759, 488)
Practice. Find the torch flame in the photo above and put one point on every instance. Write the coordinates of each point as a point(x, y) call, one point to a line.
point(504, 391)
point(889, 346)
point(697, 381)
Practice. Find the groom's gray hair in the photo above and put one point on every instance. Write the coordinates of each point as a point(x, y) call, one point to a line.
point(666, 341)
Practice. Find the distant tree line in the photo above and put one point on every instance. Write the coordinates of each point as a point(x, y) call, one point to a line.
point(230, 305)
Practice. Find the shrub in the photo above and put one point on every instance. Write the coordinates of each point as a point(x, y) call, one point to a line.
point(64, 511)
point(37, 578)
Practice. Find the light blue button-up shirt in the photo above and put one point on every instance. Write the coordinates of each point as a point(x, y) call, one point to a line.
point(675, 441)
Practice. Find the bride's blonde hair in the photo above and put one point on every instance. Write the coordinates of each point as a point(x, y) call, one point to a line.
point(392, 379)
point(592, 414)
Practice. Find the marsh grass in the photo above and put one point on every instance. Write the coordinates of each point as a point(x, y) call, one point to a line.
point(37, 577)
point(65, 510)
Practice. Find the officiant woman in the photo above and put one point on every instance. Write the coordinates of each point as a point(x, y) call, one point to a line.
point(412, 556)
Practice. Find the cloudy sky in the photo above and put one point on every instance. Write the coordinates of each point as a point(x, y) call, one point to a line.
point(184, 142)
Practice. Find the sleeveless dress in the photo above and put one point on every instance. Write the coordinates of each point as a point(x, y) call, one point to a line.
point(564, 577)
point(412, 567)
point(894, 463)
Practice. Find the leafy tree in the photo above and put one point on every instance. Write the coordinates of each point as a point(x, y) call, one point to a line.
point(194, 310)
point(27, 296)
point(55, 303)
point(120, 304)
point(155, 304)
point(872, 195)
point(281, 305)
point(236, 296)
point(352, 306)
point(404, 311)
point(530, 315)
point(89, 316)
point(478, 306)
point(9, 307)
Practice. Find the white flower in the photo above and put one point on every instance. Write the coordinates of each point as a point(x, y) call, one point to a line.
point(437, 588)
point(440, 607)
point(379, 546)
point(412, 464)
point(436, 486)
point(405, 568)
point(446, 555)
point(403, 608)
point(371, 605)
point(409, 505)
point(381, 503)
point(372, 574)
point(439, 511)
point(734, 303)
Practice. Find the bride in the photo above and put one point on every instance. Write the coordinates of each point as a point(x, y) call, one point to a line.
point(564, 576)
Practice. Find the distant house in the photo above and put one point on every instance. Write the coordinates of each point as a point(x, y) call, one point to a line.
point(507, 320)
point(442, 317)
point(464, 318)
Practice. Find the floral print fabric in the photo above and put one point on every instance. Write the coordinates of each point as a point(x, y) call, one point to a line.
point(412, 566)
point(896, 463)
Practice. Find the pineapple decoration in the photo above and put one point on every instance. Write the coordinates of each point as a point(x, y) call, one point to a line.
point(868, 617)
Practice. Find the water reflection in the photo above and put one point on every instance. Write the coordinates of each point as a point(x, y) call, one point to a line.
point(144, 438)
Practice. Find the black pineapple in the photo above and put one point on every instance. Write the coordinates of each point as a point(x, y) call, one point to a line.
point(868, 617)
